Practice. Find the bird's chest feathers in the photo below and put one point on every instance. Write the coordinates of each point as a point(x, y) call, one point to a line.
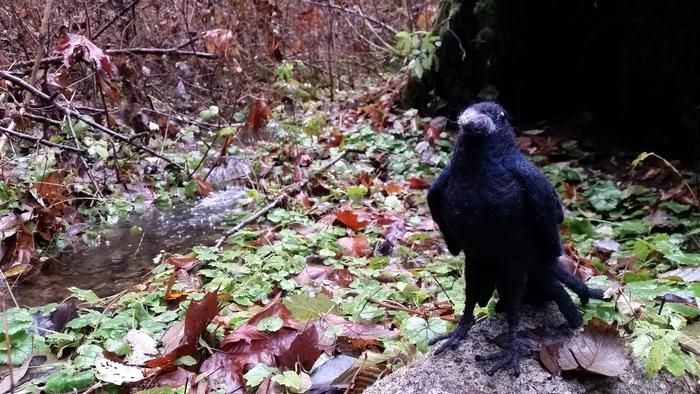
point(490, 197)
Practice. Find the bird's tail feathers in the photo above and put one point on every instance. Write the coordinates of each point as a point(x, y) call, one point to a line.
point(576, 285)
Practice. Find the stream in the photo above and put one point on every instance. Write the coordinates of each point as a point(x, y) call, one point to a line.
point(122, 257)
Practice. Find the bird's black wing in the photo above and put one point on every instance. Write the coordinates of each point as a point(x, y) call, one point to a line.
point(542, 207)
point(435, 202)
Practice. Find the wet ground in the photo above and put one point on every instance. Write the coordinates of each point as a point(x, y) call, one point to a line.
point(124, 256)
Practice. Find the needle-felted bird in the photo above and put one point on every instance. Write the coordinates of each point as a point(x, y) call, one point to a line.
point(500, 209)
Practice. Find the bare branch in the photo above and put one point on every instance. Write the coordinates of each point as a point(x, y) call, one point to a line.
point(40, 140)
point(71, 112)
point(288, 193)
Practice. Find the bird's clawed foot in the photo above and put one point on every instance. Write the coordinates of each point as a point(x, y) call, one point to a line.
point(509, 358)
point(453, 338)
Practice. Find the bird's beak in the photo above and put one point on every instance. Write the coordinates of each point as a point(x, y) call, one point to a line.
point(476, 123)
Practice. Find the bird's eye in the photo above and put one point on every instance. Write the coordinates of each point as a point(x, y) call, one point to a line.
point(501, 115)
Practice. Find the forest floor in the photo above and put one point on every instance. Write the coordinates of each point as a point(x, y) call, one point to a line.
point(335, 273)
point(329, 272)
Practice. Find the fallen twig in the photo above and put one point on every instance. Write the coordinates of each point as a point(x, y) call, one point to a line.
point(353, 12)
point(114, 19)
point(40, 140)
point(43, 32)
point(127, 51)
point(85, 164)
point(288, 193)
point(69, 111)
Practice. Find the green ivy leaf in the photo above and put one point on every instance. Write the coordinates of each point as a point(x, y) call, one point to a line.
point(605, 196)
point(659, 353)
point(88, 296)
point(304, 307)
point(257, 375)
point(419, 331)
point(272, 323)
point(63, 382)
point(288, 379)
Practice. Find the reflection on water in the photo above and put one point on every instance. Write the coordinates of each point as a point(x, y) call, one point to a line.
point(125, 257)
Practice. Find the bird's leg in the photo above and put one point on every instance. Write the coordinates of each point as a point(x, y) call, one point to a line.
point(457, 335)
point(467, 320)
point(511, 355)
point(511, 292)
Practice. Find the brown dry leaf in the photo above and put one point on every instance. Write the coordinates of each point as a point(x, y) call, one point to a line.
point(52, 190)
point(351, 219)
point(258, 115)
point(17, 269)
point(198, 315)
point(182, 262)
point(357, 246)
point(315, 272)
point(78, 47)
point(171, 295)
point(24, 247)
point(204, 188)
point(218, 41)
point(359, 330)
point(10, 223)
point(598, 349)
point(434, 128)
point(418, 183)
point(392, 187)
point(425, 18)
point(549, 356)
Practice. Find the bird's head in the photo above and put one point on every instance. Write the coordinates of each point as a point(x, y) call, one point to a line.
point(483, 119)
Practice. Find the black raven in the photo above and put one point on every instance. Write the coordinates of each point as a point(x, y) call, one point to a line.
point(500, 209)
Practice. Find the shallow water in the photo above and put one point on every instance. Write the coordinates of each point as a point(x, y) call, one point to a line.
point(124, 257)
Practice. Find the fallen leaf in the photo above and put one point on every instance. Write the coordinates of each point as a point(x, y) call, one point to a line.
point(258, 115)
point(116, 373)
point(598, 349)
point(549, 355)
point(75, 47)
point(418, 183)
point(351, 219)
point(358, 246)
point(198, 315)
point(143, 347)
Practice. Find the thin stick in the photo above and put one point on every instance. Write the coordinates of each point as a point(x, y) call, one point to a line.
point(40, 140)
point(356, 13)
point(119, 15)
point(85, 164)
point(69, 111)
point(125, 51)
point(291, 191)
point(43, 32)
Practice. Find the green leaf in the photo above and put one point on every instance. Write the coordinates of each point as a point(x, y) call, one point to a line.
point(605, 196)
point(420, 331)
point(304, 307)
point(209, 113)
point(84, 295)
point(87, 355)
point(356, 193)
point(674, 207)
point(63, 382)
point(579, 226)
point(18, 320)
point(21, 348)
point(185, 360)
point(206, 253)
point(226, 131)
point(272, 323)
point(659, 353)
point(288, 379)
point(257, 375)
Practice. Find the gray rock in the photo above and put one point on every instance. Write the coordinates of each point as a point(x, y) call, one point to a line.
point(457, 372)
